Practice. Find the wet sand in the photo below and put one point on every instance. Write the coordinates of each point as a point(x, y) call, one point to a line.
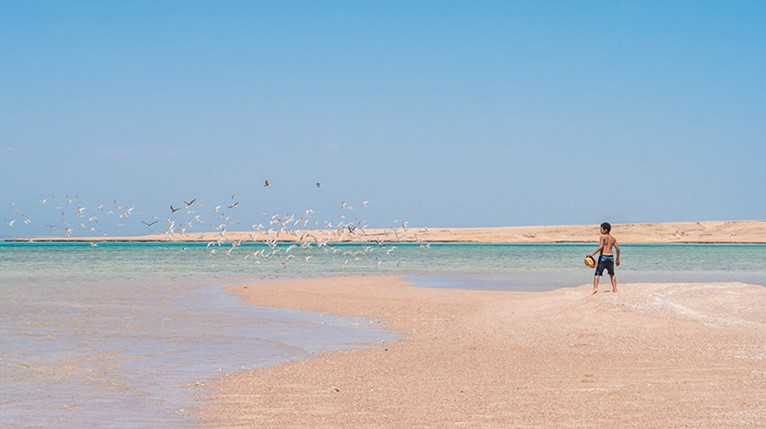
point(652, 355)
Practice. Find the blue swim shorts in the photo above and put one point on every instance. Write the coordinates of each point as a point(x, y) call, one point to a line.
point(605, 262)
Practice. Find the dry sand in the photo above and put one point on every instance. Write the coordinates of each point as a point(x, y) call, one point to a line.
point(752, 231)
point(652, 355)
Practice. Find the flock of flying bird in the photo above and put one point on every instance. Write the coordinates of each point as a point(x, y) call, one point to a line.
point(278, 234)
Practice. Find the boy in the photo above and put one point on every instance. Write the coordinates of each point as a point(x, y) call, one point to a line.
point(606, 258)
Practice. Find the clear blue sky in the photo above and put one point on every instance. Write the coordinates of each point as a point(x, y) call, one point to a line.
point(443, 113)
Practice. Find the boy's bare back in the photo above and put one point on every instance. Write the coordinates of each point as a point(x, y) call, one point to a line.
point(607, 242)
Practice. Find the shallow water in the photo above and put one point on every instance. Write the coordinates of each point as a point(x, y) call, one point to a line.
point(104, 351)
point(125, 335)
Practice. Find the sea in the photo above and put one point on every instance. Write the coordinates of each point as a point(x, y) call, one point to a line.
point(114, 335)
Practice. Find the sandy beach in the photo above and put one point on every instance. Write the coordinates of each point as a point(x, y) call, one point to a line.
point(653, 355)
point(650, 356)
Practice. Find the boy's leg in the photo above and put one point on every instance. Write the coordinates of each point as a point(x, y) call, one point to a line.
point(614, 283)
point(595, 284)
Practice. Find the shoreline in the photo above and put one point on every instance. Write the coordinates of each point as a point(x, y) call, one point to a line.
point(691, 353)
point(707, 232)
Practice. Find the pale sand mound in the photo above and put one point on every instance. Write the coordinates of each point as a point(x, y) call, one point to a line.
point(653, 355)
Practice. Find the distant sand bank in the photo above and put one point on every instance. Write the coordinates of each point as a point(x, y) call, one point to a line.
point(753, 231)
point(652, 355)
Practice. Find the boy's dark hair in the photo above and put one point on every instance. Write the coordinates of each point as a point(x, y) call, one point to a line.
point(607, 227)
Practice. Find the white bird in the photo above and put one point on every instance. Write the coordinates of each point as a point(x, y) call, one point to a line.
point(10, 223)
point(127, 212)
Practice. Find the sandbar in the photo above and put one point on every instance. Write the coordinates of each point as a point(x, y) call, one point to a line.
point(654, 355)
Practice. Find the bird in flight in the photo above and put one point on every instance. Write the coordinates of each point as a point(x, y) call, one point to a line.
point(150, 224)
point(319, 185)
point(189, 204)
point(173, 209)
point(266, 184)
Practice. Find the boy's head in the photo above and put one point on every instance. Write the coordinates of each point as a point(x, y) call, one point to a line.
point(606, 227)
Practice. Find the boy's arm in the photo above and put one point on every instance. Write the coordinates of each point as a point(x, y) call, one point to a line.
point(617, 249)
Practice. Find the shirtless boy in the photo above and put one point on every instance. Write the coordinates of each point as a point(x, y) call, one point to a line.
point(606, 259)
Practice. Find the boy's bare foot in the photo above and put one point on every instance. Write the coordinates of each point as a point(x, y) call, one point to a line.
point(595, 291)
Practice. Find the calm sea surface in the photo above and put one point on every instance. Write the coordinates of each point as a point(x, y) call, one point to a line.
point(126, 334)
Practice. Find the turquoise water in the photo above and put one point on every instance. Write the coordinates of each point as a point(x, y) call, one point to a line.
point(127, 334)
point(193, 258)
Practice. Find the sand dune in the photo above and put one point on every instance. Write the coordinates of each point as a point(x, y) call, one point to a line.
point(752, 231)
